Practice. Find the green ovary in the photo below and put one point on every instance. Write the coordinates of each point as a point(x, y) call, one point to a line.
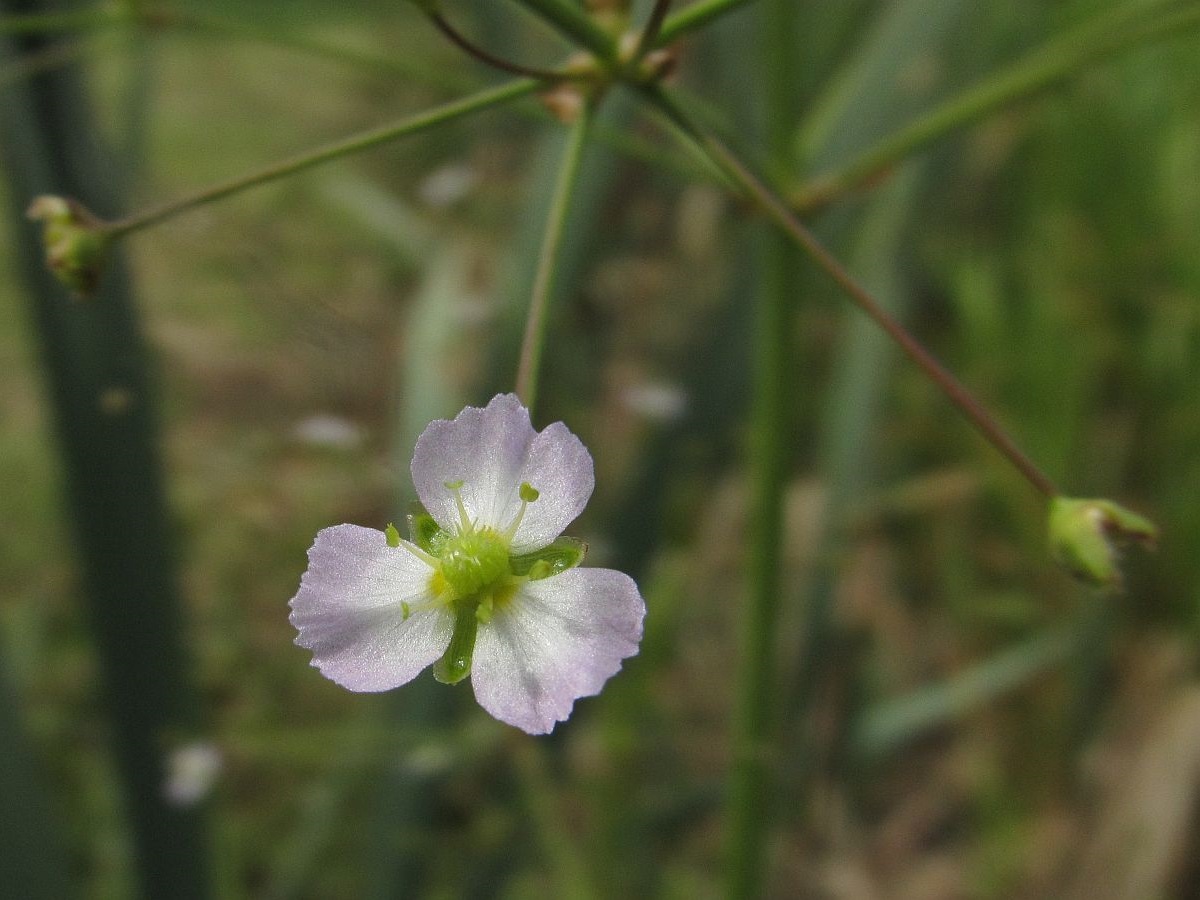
point(474, 562)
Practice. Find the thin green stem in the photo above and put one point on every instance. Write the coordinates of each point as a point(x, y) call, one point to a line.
point(486, 57)
point(1040, 70)
point(57, 23)
point(287, 39)
point(623, 141)
point(575, 25)
point(891, 724)
point(544, 277)
point(695, 16)
point(411, 125)
point(778, 211)
point(551, 831)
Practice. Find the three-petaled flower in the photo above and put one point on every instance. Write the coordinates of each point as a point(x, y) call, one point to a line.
point(487, 587)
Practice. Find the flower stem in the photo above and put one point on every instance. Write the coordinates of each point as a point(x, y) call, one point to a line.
point(778, 211)
point(411, 125)
point(755, 738)
point(1060, 58)
point(544, 277)
point(695, 16)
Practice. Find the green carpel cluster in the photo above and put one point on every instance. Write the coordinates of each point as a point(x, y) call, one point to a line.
point(476, 574)
point(475, 562)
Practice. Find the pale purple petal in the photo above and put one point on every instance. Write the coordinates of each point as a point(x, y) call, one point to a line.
point(560, 639)
point(492, 451)
point(560, 467)
point(350, 610)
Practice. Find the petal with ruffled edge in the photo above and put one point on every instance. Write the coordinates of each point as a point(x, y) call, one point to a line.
point(350, 613)
point(560, 639)
point(492, 451)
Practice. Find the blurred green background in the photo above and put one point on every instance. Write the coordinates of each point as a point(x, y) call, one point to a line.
point(957, 717)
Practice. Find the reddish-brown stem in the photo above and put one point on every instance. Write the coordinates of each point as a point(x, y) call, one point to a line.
point(472, 49)
point(779, 212)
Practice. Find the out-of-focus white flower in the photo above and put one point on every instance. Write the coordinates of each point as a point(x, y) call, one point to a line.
point(447, 185)
point(324, 430)
point(192, 771)
point(487, 587)
point(659, 401)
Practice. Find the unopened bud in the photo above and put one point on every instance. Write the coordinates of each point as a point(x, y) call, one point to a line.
point(75, 241)
point(1087, 536)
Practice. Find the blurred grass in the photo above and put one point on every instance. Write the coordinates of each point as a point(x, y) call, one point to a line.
point(1052, 261)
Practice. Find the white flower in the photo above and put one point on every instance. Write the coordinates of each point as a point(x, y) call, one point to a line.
point(490, 590)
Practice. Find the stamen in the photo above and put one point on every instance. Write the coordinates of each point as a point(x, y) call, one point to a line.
point(528, 494)
point(464, 520)
point(418, 604)
point(427, 558)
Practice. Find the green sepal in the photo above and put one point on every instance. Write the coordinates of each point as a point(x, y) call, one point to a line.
point(565, 553)
point(424, 530)
point(1086, 537)
point(455, 664)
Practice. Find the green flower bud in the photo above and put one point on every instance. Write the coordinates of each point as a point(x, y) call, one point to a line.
point(1086, 536)
point(75, 241)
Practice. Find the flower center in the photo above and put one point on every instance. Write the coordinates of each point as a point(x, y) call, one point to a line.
point(475, 576)
point(473, 561)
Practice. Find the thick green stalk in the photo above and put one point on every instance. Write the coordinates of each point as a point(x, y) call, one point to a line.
point(575, 25)
point(544, 277)
point(101, 391)
point(34, 860)
point(695, 16)
point(755, 738)
point(411, 125)
point(1041, 69)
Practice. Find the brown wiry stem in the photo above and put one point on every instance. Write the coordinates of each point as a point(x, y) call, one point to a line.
point(779, 212)
point(649, 35)
point(487, 58)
